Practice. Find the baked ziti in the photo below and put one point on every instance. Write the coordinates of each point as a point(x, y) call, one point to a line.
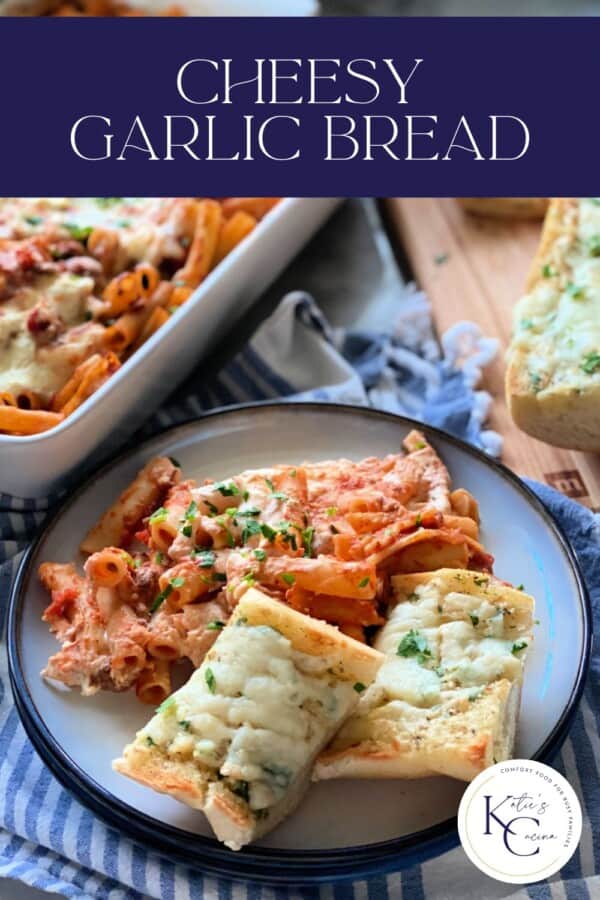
point(85, 282)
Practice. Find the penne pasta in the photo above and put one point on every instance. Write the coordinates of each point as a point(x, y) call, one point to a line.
point(233, 231)
point(27, 421)
point(204, 244)
point(107, 567)
point(154, 683)
point(170, 561)
point(102, 288)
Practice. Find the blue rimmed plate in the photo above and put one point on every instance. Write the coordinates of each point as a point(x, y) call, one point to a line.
point(345, 828)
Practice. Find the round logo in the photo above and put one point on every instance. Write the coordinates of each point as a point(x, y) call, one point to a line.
point(519, 821)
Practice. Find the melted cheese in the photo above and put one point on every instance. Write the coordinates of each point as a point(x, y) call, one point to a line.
point(24, 365)
point(442, 647)
point(557, 325)
point(145, 233)
point(255, 712)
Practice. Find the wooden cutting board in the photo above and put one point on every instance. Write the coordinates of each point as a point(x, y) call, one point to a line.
point(474, 269)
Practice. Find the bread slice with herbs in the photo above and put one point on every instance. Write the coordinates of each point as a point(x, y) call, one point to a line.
point(446, 700)
point(239, 740)
point(553, 362)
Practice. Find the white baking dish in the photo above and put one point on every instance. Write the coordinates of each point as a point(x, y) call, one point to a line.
point(34, 466)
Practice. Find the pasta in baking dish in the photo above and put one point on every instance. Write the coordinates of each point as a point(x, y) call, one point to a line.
point(84, 282)
point(168, 563)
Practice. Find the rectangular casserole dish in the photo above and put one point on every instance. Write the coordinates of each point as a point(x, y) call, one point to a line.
point(38, 465)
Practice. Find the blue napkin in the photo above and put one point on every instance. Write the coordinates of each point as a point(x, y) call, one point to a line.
point(50, 841)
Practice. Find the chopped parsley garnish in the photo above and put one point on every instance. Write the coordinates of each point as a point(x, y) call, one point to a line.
point(332, 511)
point(249, 511)
point(228, 534)
point(250, 529)
point(518, 646)
point(418, 520)
point(359, 687)
point(33, 220)
point(106, 202)
point(575, 291)
point(205, 559)
point(159, 515)
point(79, 232)
point(210, 680)
point(260, 555)
point(480, 580)
point(270, 484)
point(414, 644)
point(547, 271)
point(307, 539)
point(520, 587)
point(269, 533)
point(536, 381)
point(185, 724)
point(594, 245)
point(137, 562)
point(159, 558)
point(160, 598)
point(245, 496)
point(191, 512)
point(440, 259)
point(216, 625)
point(363, 582)
point(420, 445)
point(219, 576)
point(166, 704)
point(591, 363)
point(526, 324)
point(250, 579)
point(288, 577)
point(211, 507)
point(227, 490)
point(474, 619)
point(186, 530)
point(293, 473)
point(475, 695)
point(149, 741)
point(414, 596)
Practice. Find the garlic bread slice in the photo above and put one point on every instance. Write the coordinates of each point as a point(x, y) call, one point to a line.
point(446, 700)
point(239, 740)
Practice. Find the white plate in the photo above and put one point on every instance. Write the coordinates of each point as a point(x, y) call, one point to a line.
point(387, 820)
point(33, 466)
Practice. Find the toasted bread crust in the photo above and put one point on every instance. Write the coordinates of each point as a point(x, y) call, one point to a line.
point(506, 207)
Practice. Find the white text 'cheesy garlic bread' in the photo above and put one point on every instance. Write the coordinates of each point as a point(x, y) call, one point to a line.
point(239, 740)
point(446, 700)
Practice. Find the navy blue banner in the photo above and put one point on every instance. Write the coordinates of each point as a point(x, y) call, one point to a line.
point(305, 107)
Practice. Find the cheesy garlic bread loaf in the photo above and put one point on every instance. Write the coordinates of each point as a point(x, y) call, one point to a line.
point(553, 372)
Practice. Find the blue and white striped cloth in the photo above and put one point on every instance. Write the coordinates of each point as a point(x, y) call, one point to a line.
point(50, 841)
